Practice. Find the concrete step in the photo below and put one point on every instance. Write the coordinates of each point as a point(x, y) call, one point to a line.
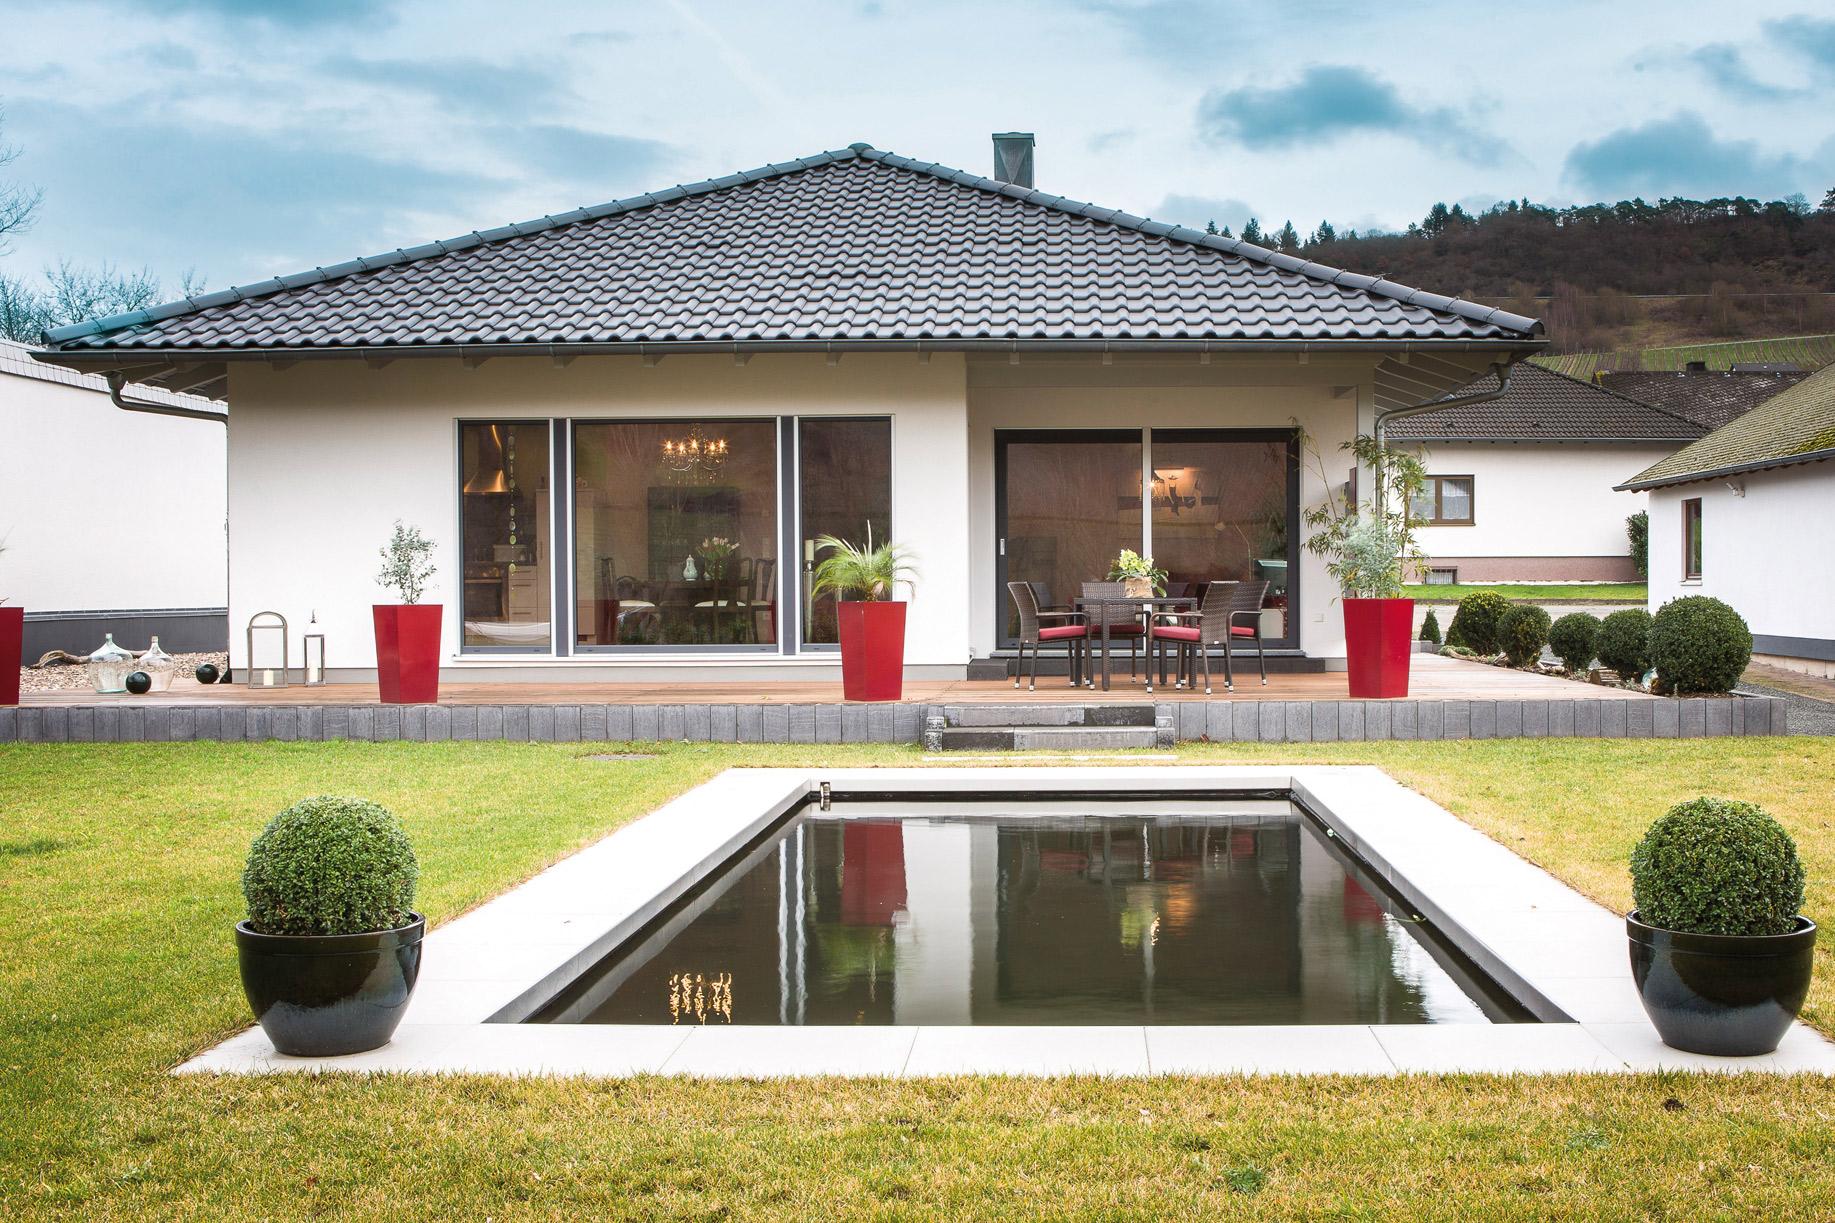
point(1049, 715)
point(1045, 738)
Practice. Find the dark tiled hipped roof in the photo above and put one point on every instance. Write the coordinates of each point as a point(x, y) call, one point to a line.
point(1710, 398)
point(854, 246)
point(1544, 406)
point(1794, 426)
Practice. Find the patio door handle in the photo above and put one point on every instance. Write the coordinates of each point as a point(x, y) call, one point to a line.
point(1003, 545)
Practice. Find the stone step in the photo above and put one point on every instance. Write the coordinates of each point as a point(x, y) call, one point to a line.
point(1044, 738)
point(1049, 715)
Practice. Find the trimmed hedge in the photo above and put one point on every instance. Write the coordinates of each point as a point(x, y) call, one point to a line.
point(1475, 622)
point(1573, 638)
point(1717, 866)
point(1624, 643)
point(330, 865)
point(1522, 633)
point(1430, 627)
point(1698, 644)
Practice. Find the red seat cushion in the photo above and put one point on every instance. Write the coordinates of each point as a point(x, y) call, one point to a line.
point(1175, 632)
point(1119, 630)
point(1060, 632)
point(1241, 630)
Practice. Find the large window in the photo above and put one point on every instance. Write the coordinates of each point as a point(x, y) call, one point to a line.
point(845, 471)
point(1445, 501)
point(1070, 503)
point(507, 576)
point(675, 527)
point(1221, 512)
point(1691, 539)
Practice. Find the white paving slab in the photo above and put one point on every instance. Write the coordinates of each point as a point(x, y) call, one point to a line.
point(1561, 952)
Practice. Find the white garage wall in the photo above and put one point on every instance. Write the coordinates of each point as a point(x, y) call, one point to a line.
point(106, 510)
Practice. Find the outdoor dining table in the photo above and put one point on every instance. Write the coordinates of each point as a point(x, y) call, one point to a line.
point(1150, 604)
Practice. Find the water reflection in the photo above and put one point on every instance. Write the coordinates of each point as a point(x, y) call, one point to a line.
point(1239, 919)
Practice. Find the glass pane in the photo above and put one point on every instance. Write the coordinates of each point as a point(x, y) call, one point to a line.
point(1072, 506)
point(1691, 520)
point(1456, 500)
point(1220, 514)
point(1421, 505)
point(846, 472)
point(675, 530)
point(503, 519)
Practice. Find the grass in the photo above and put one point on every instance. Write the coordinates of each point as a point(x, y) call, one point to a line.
point(1596, 592)
point(1809, 351)
point(118, 889)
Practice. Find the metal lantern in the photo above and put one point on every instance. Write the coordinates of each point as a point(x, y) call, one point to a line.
point(312, 660)
point(266, 666)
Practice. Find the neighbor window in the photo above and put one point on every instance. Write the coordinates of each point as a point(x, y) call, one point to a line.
point(1444, 501)
point(844, 467)
point(1691, 539)
point(506, 580)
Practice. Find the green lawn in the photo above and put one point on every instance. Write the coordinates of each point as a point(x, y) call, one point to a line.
point(118, 888)
point(1599, 592)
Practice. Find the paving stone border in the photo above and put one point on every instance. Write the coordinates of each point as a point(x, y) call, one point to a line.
point(1216, 721)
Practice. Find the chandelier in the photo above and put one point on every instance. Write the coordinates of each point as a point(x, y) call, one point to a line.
point(695, 455)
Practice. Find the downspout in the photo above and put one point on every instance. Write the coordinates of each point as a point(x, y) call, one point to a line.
point(1499, 369)
point(116, 382)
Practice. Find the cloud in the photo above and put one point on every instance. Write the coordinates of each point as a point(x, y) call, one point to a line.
point(1109, 141)
point(296, 13)
point(468, 85)
point(1809, 37)
point(1328, 101)
point(1680, 155)
point(1726, 67)
point(1197, 211)
point(598, 163)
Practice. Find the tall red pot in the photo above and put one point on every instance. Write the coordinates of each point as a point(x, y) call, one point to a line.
point(408, 652)
point(1378, 640)
point(12, 652)
point(872, 650)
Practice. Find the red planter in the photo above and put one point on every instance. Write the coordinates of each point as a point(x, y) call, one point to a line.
point(872, 650)
point(408, 652)
point(1379, 640)
point(12, 652)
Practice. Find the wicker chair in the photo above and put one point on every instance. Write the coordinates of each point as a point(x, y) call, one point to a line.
point(1213, 624)
point(1124, 620)
point(1038, 628)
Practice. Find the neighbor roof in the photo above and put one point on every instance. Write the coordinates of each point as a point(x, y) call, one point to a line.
point(1710, 398)
point(854, 247)
point(1544, 406)
point(1794, 426)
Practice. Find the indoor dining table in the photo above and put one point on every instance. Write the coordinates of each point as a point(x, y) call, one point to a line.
point(1153, 603)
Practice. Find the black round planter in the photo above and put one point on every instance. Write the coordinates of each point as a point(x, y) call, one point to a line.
point(320, 995)
point(1731, 995)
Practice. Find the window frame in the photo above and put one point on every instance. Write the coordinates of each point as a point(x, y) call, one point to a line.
point(556, 611)
point(1438, 518)
point(1694, 553)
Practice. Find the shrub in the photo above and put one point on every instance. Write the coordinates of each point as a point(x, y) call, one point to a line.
point(1573, 638)
point(1476, 621)
point(1716, 866)
point(1624, 643)
point(1637, 532)
point(1522, 633)
point(330, 865)
point(1430, 627)
point(1698, 644)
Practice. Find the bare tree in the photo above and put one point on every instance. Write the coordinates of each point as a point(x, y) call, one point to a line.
point(18, 202)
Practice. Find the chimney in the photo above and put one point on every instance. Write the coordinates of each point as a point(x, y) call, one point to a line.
point(1013, 158)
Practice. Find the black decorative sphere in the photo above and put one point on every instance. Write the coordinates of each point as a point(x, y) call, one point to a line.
point(207, 673)
point(139, 682)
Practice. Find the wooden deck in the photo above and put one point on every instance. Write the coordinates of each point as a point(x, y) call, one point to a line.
point(1433, 678)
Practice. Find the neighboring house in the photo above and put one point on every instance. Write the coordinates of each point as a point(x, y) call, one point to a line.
point(625, 426)
point(1521, 486)
point(1743, 515)
point(112, 521)
point(1710, 398)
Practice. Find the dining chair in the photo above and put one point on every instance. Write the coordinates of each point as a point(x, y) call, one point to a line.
point(1214, 623)
point(1037, 627)
point(1123, 617)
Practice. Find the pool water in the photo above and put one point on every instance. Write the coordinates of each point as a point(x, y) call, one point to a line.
point(1186, 912)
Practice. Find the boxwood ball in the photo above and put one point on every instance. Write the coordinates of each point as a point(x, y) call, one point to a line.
point(207, 673)
point(138, 682)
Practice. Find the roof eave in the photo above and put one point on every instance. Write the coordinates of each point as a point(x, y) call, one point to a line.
point(1732, 469)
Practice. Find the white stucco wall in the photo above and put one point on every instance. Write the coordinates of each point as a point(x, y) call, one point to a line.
point(325, 456)
point(1766, 553)
point(1541, 500)
point(106, 510)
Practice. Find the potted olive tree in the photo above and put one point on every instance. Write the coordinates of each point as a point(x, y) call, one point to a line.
point(869, 621)
point(1368, 550)
point(332, 946)
point(1719, 951)
point(12, 649)
point(407, 632)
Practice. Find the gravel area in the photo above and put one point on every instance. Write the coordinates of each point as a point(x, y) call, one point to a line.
point(61, 677)
point(1808, 716)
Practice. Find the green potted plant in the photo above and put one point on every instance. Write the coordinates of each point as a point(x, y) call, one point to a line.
point(331, 946)
point(408, 631)
point(869, 621)
point(1140, 578)
point(1368, 548)
point(1720, 954)
point(12, 648)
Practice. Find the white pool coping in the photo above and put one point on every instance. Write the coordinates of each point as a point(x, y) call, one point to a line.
point(1563, 955)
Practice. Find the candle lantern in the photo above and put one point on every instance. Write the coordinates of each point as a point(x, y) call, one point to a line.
point(266, 665)
point(312, 659)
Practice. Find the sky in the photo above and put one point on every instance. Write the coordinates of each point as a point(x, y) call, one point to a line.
point(239, 140)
